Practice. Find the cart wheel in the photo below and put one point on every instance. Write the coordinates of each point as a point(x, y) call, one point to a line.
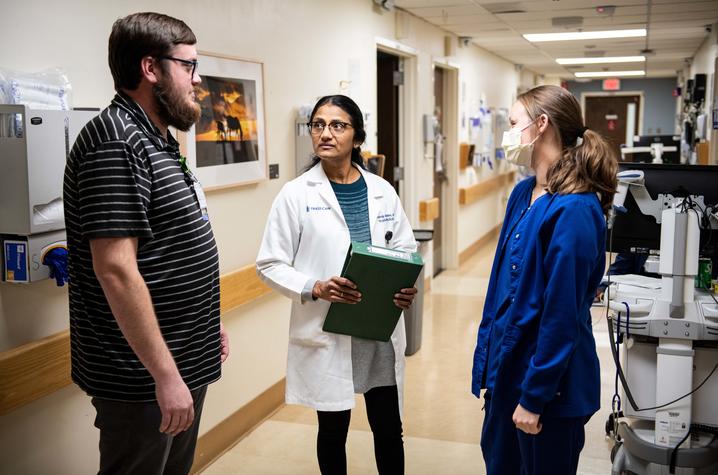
point(609, 425)
point(614, 450)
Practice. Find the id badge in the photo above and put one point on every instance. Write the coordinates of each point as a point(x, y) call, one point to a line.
point(201, 199)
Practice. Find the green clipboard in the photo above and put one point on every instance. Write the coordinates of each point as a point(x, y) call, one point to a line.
point(379, 273)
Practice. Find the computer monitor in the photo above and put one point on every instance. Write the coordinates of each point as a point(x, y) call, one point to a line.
point(666, 140)
point(635, 232)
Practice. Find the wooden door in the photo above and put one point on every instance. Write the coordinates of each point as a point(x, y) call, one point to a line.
point(387, 71)
point(439, 76)
point(607, 115)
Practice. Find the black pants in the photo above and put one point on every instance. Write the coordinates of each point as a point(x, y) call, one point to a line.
point(382, 407)
point(131, 443)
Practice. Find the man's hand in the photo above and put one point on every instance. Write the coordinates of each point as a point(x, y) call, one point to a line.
point(336, 289)
point(526, 421)
point(405, 297)
point(176, 405)
point(223, 343)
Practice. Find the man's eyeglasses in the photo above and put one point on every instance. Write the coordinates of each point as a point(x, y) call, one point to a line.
point(335, 128)
point(190, 64)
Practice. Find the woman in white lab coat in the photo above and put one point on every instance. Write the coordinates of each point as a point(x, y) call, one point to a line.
point(308, 232)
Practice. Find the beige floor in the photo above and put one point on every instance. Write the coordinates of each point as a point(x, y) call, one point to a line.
point(442, 421)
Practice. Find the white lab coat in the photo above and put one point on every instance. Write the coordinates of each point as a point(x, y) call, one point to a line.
point(306, 239)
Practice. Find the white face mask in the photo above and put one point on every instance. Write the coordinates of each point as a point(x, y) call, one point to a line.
point(516, 152)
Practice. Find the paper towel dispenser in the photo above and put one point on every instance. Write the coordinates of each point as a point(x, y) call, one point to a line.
point(34, 145)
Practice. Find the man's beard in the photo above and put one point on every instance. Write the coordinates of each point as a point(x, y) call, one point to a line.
point(173, 108)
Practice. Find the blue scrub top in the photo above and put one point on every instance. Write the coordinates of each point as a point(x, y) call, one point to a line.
point(535, 343)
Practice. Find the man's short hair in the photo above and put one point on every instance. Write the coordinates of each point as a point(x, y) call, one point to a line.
point(142, 34)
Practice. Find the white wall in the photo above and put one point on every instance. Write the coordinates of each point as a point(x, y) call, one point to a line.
point(479, 79)
point(306, 48)
point(704, 62)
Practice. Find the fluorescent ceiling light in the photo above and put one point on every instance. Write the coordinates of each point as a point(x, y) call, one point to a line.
point(602, 60)
point(608, 74)
point(585, 35)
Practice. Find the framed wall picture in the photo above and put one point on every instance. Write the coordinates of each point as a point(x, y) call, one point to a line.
point(227, 147)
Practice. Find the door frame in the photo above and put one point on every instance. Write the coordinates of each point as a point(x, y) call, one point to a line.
point(713, 104)
point(449, 199)
point(584, 95)
point(408, 124)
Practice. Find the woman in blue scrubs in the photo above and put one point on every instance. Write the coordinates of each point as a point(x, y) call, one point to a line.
point(535, 353)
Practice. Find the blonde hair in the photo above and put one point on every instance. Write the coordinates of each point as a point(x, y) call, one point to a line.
point(588, 163)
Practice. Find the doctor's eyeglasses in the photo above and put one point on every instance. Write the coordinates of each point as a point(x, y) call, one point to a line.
point(189, 64)
point(335, 128)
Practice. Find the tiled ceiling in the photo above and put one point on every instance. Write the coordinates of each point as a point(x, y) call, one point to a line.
point(676, 29)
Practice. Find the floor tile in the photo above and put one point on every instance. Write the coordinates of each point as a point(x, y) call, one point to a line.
point(442, 419)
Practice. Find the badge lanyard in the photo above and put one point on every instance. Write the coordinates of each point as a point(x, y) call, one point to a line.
point(197, 188)
point(201, 199)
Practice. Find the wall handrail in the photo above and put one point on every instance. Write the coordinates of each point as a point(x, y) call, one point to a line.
point(39, 368)
point(475, 192)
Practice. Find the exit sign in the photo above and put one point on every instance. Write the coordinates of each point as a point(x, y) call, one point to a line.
point(612, 84)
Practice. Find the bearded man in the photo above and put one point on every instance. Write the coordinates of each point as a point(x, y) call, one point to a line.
point(146, 337)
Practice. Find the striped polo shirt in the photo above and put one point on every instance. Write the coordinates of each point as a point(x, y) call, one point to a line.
point(123, 179)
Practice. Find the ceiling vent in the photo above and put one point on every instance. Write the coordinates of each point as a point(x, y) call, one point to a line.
point(503, 8)
point(567, 21)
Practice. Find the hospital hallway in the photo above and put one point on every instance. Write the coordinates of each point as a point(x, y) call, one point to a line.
point(442, 419)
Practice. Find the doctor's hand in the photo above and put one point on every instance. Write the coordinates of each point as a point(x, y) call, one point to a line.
point(405, 297)
point(526, 421)
point(336, 289)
